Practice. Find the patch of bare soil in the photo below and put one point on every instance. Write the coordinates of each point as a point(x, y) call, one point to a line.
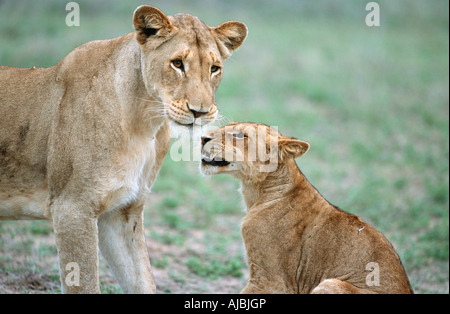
point(26, 282)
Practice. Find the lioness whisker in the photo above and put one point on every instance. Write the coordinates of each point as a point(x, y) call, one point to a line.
point(149, 100)
point(156, 110)
point(221, 120)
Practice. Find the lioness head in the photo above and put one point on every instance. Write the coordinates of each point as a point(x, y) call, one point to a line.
point(182, 60)
point(248, 150)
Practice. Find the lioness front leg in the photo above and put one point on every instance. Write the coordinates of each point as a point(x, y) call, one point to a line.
point(122, 243)
point(77, 242)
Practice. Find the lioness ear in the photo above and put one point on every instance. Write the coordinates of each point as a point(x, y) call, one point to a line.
point(289, 147)
point(149, 21)
point(230, 37)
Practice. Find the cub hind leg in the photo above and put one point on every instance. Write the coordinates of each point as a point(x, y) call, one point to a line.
point(336, 286)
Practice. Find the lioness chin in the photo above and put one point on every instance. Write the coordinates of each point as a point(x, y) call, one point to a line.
point(82, 142)
point(296, 241)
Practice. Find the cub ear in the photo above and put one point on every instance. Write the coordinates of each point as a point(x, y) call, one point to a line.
point(289, 147)
point(149, 21)
point(230, 37)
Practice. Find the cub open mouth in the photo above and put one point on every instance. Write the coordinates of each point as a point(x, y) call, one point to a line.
point(215, 162)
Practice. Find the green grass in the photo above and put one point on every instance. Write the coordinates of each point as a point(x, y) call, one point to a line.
point(372, 102)
point(215, 268)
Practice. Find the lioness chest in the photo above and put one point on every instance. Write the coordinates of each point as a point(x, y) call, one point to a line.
point(131, 176)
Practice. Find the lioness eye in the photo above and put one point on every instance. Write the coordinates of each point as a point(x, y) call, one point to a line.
point(215, 69)
point(178, 64)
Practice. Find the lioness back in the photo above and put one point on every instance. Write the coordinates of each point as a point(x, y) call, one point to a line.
point(30, 102)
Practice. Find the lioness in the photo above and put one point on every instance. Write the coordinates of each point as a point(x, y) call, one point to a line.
point(296, 241)
point(82, 142)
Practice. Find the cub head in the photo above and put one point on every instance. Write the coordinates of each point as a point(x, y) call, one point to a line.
point(248, 151)
point(182, 61)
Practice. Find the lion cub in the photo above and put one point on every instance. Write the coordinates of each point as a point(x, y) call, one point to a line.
point(296, 241)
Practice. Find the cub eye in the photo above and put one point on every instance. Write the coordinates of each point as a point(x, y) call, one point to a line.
point(240, 135)
point(215, 69)
point(178, 64)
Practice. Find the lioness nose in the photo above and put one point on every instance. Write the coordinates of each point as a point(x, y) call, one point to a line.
point(205, 140)
point(196, 113)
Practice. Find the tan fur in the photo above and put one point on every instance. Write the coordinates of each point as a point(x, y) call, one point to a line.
point(296, 241)
point(82, 142)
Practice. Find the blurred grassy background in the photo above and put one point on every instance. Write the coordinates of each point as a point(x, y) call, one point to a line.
point(372, 101)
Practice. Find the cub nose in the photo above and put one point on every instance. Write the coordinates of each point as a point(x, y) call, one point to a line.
point(205, 140)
